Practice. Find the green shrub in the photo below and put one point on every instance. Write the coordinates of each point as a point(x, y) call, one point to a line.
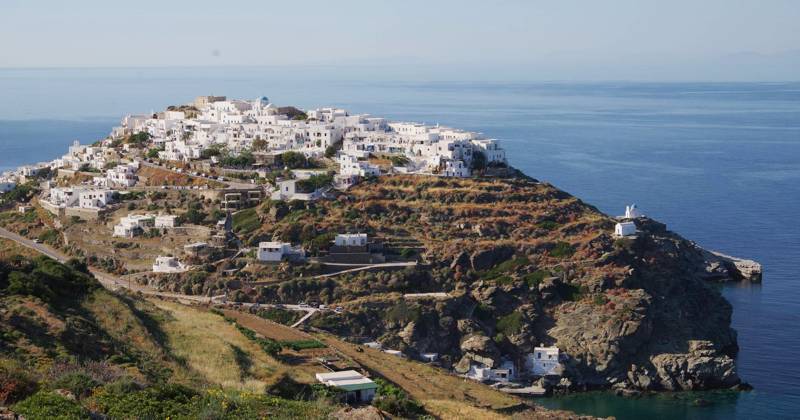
point(510, 324)
point(79, 384)
point(548, 225)
point(298, 345)
point(49, 406)
point(246, 221)
point(281, 316)
point(533, 279)
point(394, 400)
point(16, 383)
point(562, 250)
point(162, 401)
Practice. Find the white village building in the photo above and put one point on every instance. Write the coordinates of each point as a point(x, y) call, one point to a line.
point(356, 386)
point(168, 265)
point(133, 225)
point(623, 229)
point(86, 198)
point(166, 221)
point(279, 251)
point(482, 373)
point(544, 361)
point(95, 198)
point(351, 239)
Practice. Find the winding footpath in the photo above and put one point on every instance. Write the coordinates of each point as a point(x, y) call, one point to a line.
point(113, 282)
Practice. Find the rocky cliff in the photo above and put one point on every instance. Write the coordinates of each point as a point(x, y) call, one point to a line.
point(523, 263)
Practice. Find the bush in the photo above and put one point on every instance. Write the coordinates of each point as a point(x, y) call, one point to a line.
point(510, 324)
point(313, 183)
point(478, 161)
point(50, 406)
point(15, 383)
point(162, 401)
point(79, 384)
point(294, 160)
point(533, 279)
point(548, 225)
point(298, 345)
point(246, 221)
point(562, 250)
point(394, 401)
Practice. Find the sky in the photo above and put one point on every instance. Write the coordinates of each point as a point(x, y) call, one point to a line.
point(502, 39)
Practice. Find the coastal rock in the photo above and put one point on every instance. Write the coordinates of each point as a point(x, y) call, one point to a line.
point(703, 367)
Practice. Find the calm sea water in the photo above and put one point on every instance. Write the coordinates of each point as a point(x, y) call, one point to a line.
point(719, 163)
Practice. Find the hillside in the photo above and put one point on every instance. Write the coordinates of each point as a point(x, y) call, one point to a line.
point(72, 349)
point(523, 263)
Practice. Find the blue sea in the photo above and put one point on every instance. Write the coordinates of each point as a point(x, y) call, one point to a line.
point(717, 162)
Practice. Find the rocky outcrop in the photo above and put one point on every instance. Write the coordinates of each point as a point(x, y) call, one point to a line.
point(702, 367)
point(741, 269)
point(627, 313)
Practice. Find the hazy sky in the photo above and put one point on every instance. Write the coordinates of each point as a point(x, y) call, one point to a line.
point(590, 39)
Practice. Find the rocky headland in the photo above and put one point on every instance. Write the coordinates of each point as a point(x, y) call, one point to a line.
point(523, 264)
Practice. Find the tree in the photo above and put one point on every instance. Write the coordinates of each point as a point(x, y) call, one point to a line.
point(294, 160)
point(259, 144)
point(478, 161)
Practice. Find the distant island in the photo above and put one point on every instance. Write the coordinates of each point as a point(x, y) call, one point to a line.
point(343, 259)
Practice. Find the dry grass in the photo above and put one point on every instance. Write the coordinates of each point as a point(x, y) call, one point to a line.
point(215, 349)
point(456, 410)
point(8, 248)
point(302, 365)
point(443, 394)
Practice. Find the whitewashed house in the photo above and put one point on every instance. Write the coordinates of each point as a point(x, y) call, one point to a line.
point(623, 229)
point(63, 197)
point(350, 165)
point(455, 168)
point(132, 225)
point(544, 361)
point(166, 221)
point(351, 239)
point(482, 373)
point(95, 198)
point(279, 251)
point(287, 190)
point(122, 175)
point(168, 265)
point(356, 386)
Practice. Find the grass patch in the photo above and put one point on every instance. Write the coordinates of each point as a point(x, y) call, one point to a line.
point(280, 316)
point(498, 273)
point(246, 221)
point(207, 344)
